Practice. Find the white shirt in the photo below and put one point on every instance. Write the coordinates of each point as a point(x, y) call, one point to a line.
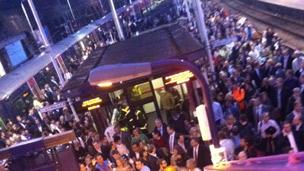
point(109, 132)
point(145, 168)
point(262, 126)
point(296, 63)
point(292, 141)
point(217, 111)
point(279, 96)
point(171, 141)
point(195, 152)
point(122, 149)
point(183, 147)
point(161, 130)
point(229, 148)
point(298, 127)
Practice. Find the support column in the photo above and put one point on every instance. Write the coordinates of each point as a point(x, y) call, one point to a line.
point(116, 21)
point(200, 17)
point(70, 7)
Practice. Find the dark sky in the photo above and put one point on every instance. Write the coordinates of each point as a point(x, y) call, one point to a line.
point(4, 4)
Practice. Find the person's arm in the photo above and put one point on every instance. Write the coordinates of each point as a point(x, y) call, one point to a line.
point(277, 129)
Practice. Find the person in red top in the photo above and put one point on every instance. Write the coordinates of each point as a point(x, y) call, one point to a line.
point(238, 94)
point(158, 141)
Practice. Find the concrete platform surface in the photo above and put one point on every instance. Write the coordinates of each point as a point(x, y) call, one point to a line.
point(297, 4)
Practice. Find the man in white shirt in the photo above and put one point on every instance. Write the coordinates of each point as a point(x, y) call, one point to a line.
point(121, 148)
point(218, 113)
point(228, 144)
point(181, 142)
point(267, 123)
point(109, 133)
point(139, 165)
point(297, 61)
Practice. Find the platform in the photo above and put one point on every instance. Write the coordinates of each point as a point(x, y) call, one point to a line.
point(296, 4)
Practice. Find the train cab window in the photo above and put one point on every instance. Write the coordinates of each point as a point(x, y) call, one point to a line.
point(140, 91)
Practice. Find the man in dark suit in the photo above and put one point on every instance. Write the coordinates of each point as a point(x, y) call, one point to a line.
point(200, 153)
point(298, 128)
point(257, 74)
point(177, 120)
point(279, 97)
point(258, 110)
point(297, 111)
point(290, 82)
point(152, 159)
point(172, 140)
point(286, 60)
point(183, 143)
point(288, 140)
point(136, 152)
point(162, 128)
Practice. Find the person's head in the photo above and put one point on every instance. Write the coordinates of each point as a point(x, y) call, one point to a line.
point(266, 117)
point(151, 148)
point(115, 154)
point(194, 141)
point(289, 74)
point(120, 162)
point(181, 138)
point(301, 78)
point(170, 129)
point(286, 127)
point(158, 123)
point(190, 164)
point(156, 134)
point(117, 140)
point(297, 106)
point(246, 141)
point(242, 156)
point(135, 147)
point(297, 120)
point(222, 135)
point(230, 120)
point(163, 164)
point(279, 82)
point(177, 150)
point(296, 92)
point(18, 117)
point(139, 164)
point(136, 132)
point(117, 128)
point(257, 101)
point(243, 119)
point(99, 159)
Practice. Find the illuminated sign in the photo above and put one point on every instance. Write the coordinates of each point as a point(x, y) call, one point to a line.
point(93, 107)
point(92, 103)
point(179, 78)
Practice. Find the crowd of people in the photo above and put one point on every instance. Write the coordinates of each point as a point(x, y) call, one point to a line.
point(258, 87)
point(258, 97)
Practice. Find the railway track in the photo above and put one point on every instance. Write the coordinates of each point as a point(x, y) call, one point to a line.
point(291, 32)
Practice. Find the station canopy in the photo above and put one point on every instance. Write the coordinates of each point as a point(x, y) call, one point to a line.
point(168, 42)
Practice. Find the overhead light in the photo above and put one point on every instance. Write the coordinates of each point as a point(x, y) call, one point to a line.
point(105, 84)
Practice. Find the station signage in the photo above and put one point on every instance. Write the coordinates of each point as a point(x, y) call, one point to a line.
point(179, 78)
point(92, 103)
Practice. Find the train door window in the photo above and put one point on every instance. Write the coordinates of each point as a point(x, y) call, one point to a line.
point(143, 104)
point(140, 92)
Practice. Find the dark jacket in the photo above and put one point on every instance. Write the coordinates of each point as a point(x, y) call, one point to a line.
point(204, 156)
